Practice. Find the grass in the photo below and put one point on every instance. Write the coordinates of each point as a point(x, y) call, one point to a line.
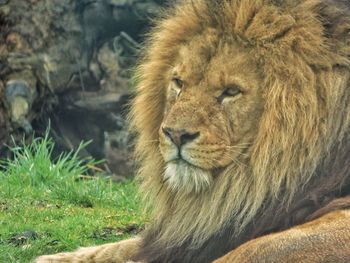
point(46, 208)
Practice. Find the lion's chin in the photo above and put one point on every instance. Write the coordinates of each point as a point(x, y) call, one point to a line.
point(182, 176)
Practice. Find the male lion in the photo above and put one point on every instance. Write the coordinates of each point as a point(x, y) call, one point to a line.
point(243, 121)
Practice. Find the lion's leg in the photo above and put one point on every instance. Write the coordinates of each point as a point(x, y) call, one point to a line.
point(119, 252)
point(326, 239)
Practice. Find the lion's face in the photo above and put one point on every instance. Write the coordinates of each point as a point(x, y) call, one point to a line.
point(214, 103)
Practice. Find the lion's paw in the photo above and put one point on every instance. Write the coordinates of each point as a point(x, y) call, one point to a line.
point(57, 258)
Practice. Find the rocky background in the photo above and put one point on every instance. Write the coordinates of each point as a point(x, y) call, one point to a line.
point(68, 64)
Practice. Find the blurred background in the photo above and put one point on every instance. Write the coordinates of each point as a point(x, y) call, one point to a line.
point(69, 65)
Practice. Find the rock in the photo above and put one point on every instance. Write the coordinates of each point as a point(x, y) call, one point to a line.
point(22, 238)
point(69, 63)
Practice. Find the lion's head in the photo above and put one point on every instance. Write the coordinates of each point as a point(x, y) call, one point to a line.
point(236, 108)
point(212, 112)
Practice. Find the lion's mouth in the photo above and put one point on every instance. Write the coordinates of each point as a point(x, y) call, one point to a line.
point(181, 175)
point(180, 160)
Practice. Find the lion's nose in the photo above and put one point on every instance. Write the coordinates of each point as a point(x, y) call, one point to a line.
point(179, 137)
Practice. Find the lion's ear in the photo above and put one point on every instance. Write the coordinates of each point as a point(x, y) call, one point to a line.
point(336, 29)
point(336, 24)
point(335, 19)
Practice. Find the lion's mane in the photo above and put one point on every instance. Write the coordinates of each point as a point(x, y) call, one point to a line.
point(302, 48)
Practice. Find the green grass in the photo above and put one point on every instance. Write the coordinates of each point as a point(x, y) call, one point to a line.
point(45, 208)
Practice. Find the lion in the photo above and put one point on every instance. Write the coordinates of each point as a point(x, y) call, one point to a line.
point(242, 119)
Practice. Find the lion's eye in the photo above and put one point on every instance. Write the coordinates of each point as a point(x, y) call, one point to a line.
point(178, 82)
point(229, 92)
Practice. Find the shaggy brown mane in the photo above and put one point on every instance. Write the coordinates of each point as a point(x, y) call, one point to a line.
point(300, 159)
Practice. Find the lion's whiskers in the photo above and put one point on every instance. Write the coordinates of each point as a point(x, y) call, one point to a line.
point(231, 150)
point(150, 141)
point(235, 160)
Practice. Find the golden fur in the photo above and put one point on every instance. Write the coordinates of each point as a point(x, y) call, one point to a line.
point(313, 240)
point(114, 252)
point(286, 130)
point(296, 130)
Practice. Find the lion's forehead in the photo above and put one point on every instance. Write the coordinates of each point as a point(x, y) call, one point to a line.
point(215, 67)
